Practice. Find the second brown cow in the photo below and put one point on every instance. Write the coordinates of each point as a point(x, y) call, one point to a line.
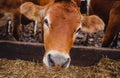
point(109, 11)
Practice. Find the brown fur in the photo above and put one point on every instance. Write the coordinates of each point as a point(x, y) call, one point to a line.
point(10, 8)
point(64, 20)
point(64, 23)
point(109, 11)
point(94, 21)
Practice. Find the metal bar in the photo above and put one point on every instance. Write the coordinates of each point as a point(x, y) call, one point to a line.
point(80, 55)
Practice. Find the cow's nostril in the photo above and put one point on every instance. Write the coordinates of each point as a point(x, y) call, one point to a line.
point(50, 60)
point(66, 63)
point(57, 60)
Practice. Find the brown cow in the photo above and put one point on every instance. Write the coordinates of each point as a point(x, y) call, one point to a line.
point(109, 11)
point(61, 22)
point(9, 11)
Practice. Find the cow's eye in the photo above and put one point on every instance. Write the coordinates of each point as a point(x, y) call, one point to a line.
point(46, 22)
point(78, 30)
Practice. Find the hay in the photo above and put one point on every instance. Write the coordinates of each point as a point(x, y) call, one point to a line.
point(106, 68)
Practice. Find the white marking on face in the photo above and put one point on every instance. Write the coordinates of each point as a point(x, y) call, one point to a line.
point(80, 25)
point(55, 53)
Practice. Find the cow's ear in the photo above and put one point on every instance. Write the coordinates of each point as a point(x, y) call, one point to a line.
point(91, 24)
point(30, 10)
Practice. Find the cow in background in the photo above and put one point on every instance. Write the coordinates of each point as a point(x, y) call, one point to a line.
point(9, 11)
point(11, 19)
point(109, 11)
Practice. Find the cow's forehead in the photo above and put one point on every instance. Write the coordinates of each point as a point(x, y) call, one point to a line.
point(61, 8)
point(65, 12)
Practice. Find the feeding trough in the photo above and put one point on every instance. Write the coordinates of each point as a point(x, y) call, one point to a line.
point(80, 55)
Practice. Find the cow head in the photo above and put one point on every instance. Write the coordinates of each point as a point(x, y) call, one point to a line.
point(61, 22)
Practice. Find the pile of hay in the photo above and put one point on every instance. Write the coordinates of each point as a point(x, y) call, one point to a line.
point(106, 68)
